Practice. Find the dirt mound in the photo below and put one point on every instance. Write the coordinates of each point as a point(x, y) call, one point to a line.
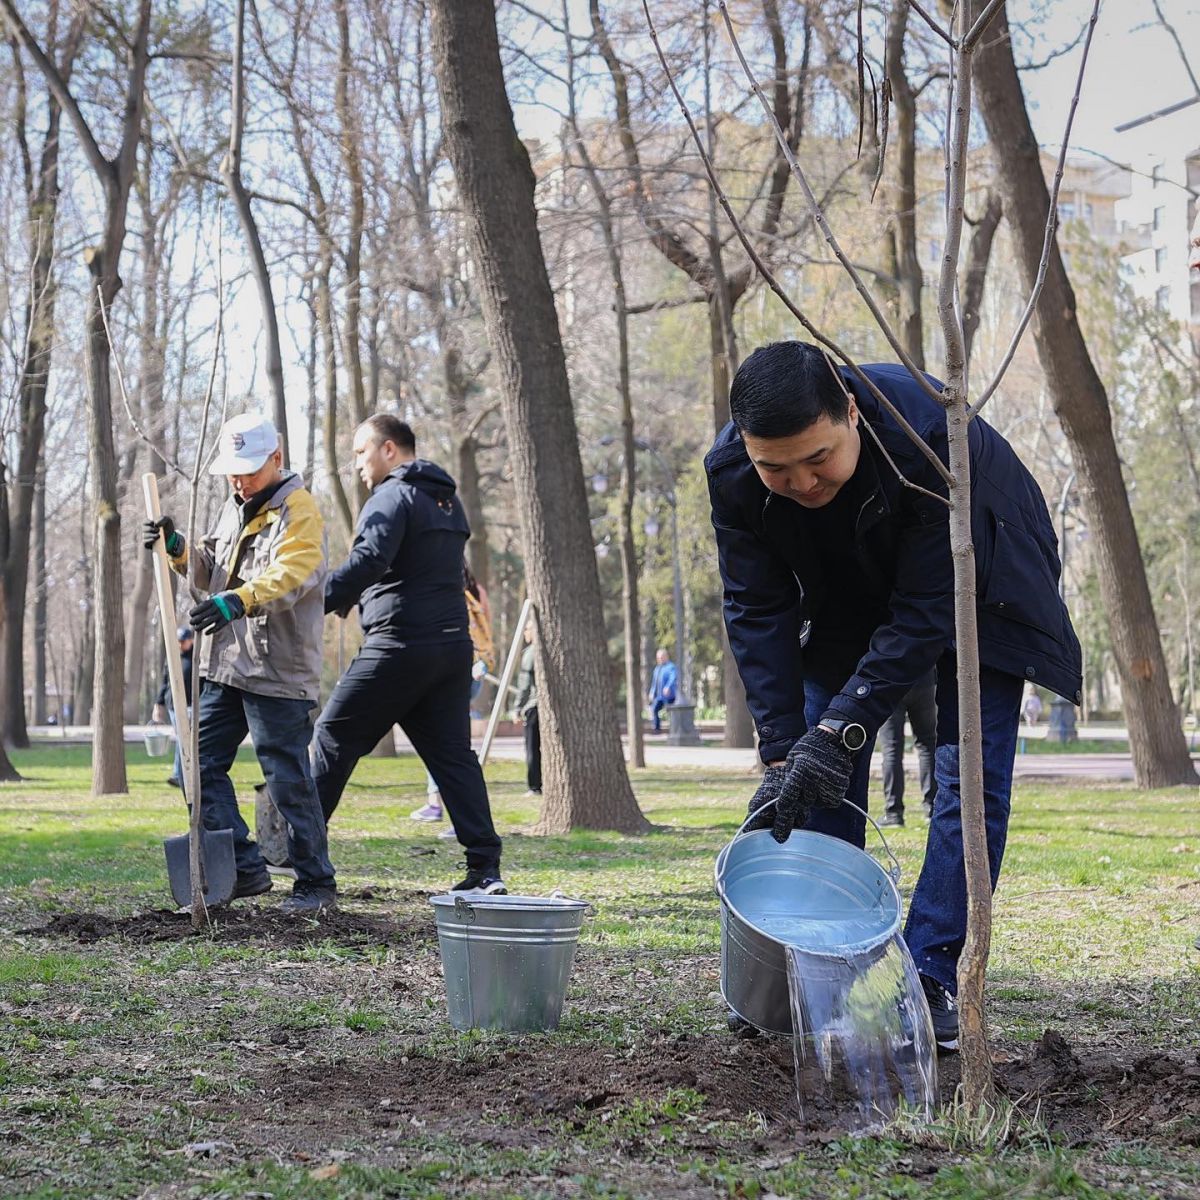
point(1088, 1093)
point(248, 924)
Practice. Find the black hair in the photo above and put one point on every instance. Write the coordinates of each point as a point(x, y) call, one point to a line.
point(387, 428)
point(781, 389)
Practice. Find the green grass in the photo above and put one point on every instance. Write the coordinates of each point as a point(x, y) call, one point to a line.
point(119, 1058)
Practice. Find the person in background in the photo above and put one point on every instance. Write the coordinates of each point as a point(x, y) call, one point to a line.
point(825, 511)
point(919, 706)
point(404, 572)
point(164, 703)
point(663, 681)
point(1031, 705)
point(525, 709)
point(264, 566)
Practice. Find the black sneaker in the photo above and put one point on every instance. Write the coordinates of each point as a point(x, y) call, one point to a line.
point(483, 881)
point(252, 883)
point(889, 819)
point(943, 1008)
point(310, 901)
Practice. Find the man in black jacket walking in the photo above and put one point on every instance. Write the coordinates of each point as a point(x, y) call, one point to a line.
point(839, 597)
point(414, 668)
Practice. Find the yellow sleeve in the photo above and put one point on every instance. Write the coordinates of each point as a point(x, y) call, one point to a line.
point(300, 554)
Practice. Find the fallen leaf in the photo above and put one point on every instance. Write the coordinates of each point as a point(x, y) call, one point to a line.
point(332, 1171)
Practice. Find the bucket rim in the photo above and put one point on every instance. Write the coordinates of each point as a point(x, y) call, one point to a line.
point(511, 903)
point(864, 943)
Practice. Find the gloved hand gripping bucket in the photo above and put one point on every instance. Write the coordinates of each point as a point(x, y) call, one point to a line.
point(813, 891)
point(507, 959)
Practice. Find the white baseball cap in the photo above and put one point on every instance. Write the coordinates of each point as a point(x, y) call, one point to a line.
point(244, 444)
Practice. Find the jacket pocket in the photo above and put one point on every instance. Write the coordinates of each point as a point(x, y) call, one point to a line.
point(1020, 584)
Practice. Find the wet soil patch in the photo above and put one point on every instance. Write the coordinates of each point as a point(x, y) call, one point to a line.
point(251, 924)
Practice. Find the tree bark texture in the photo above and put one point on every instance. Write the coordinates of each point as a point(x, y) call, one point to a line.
point(39, 601)
point(585, 781)
point(1160, 754)
point(42, 190)
point(979, 254)
point(909, 275)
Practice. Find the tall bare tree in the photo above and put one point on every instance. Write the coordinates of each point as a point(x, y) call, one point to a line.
point(585, 778)
point(115, 177)
point(1160, 753)
point(41, 186)
point(703, 261)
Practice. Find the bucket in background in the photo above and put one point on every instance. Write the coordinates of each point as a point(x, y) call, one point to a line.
point(507, 959)
point(813, 891)
point(157, 740)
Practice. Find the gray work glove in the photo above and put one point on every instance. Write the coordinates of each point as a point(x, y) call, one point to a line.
point(768, 790)
point(816, 775)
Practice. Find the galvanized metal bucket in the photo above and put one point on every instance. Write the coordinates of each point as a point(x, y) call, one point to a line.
point(157, 739)
point(507, 959)
point(813, 891)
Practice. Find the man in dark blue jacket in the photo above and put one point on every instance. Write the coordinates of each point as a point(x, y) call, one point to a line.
point(839, 596)
point(405, 573)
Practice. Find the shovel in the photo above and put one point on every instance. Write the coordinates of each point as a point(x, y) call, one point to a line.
point(215, 865)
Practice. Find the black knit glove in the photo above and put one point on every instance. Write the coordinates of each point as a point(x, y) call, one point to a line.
point(768, 790)
point(816, 775)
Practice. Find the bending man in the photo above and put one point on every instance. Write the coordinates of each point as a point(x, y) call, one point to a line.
point(820, 543)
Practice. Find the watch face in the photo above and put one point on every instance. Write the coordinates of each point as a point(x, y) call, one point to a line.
point(854, 737)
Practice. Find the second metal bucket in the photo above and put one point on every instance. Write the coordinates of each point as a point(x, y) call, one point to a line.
point(813, 891)
point(507, 959)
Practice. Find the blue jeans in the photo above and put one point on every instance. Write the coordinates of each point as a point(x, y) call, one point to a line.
point(281, 730)
point(937, 912)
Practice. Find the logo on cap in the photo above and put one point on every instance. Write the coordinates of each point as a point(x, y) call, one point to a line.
point(239, 441)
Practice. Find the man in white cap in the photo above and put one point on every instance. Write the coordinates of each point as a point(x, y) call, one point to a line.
point(264, 567)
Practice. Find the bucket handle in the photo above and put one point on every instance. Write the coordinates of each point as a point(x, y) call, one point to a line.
point(893, 871)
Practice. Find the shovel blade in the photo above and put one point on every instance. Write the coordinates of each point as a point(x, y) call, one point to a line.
point(220, 867)
point(270, 829)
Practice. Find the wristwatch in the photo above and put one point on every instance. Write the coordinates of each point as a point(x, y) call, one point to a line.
point(852, 735)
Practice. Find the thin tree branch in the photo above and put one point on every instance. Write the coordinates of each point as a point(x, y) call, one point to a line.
point(774, 283)
point(972, 36)
point(819, 216)
point(1187, 66)
point(942, 33)
point(105, 169)
point(1051, 223)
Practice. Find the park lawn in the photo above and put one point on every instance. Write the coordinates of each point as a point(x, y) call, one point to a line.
point(314, 1059)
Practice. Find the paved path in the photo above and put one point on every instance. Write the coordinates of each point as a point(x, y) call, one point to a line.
point(713, 756)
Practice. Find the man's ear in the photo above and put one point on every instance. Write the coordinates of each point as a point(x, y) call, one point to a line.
point(852, 414)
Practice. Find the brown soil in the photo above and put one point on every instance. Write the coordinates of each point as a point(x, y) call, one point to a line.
point(241, 924)
point(1094, 1097)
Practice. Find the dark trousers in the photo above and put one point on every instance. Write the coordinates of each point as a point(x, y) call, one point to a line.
point(937, 912)
point(533, 750)
point(656, 708)
point(281, 730)
point(920, 707)
point(426, 691)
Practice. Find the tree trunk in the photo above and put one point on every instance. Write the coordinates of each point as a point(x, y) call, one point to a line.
point(353, 167)
point(324, 302)
point(909, 276)
point(584, 771)
point(39, 601)
point(1160, 754)
point(978, 256)
point(108, 755)
point(42, 193)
